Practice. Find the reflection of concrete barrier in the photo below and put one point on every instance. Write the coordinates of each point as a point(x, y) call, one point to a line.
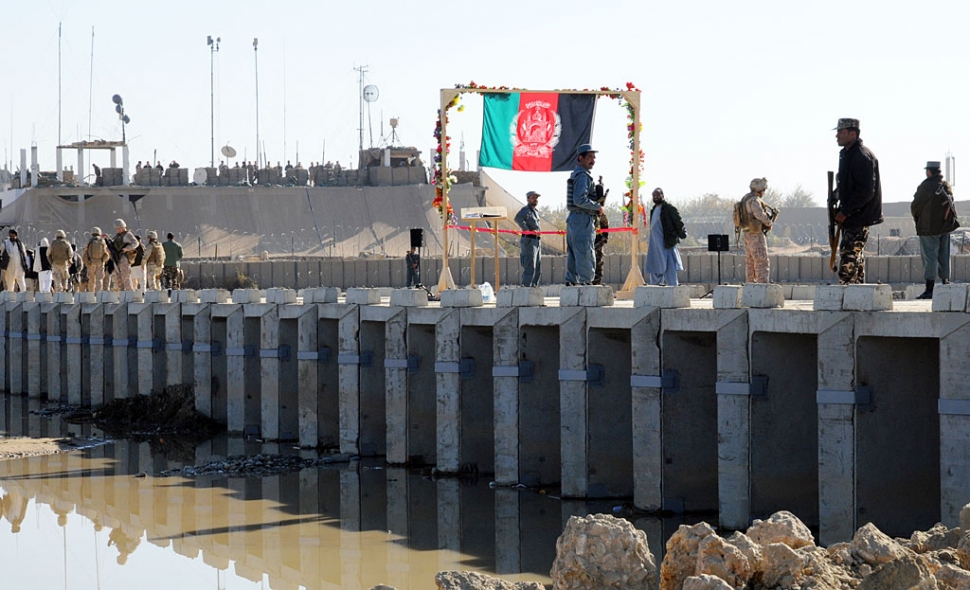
point(726, 407)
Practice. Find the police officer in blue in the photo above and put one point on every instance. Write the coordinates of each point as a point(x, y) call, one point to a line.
point(581, 222)
point(529, 243)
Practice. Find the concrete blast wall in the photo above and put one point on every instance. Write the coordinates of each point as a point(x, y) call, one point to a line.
point(841, 417)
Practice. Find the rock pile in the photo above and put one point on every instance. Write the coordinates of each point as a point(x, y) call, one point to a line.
point(780, 553)
point(601, 551)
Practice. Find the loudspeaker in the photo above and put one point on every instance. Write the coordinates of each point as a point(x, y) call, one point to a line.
point(718, 243)
point(417, 238)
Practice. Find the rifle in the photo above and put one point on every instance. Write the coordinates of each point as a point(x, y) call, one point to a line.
point(835, 230)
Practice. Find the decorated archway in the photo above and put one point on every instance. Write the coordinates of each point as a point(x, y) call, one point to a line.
point(442, 179)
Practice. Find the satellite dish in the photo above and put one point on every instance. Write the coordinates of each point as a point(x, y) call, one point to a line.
point(228, 151)
point(200, 176)
point(371, 93)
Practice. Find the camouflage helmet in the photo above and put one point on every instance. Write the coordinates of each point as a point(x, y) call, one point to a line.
point(759, 184)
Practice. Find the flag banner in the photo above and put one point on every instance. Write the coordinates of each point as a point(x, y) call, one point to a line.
point(535, 131)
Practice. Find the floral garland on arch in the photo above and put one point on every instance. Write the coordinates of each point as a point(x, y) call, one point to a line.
point(442, 179)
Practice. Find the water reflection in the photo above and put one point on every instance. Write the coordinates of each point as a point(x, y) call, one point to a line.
point(343, 526)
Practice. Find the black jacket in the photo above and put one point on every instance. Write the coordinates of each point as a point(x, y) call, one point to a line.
point(933, 209)
point(671, 223)
point(860, 190)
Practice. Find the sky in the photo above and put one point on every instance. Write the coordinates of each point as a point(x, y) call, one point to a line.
point(731, 90)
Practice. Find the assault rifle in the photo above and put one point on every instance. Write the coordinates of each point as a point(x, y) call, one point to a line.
point(835, 230)
point(601, 220)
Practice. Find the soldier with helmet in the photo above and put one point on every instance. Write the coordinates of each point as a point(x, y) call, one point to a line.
point(94, 256)
point(60, 255)
point(755, 225)
point(124, 244)
point(154, 260)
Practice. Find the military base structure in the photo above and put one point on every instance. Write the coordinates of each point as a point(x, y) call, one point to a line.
point(836, 403)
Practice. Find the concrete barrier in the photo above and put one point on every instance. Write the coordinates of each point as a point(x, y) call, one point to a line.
point(728, 409)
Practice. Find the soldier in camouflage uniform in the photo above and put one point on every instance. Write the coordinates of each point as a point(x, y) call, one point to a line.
point(60, 254)
point(757, 267)
point(154, 261)
point(125, 244)
point(860, 200)
point(94, 256)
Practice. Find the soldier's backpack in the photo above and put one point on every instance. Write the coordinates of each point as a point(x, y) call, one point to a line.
point(741, 218)
point(96, 250)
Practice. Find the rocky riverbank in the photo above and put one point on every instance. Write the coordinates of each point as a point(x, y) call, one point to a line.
point(779, 553)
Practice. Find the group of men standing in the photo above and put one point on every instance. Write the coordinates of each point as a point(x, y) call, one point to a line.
point(856, 205)
point(103, 262)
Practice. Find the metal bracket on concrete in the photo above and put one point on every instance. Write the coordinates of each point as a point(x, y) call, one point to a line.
point(364, 359)
point(758, 387)
point(282, 353)
point(954, 407)
point(106, 341)
point(668, 381)
point(446, 367)
point(412, 363)
point(594, 375)
point(214, 348)
point(82, 340)
point(861, 396)
point(120, 342)
point(185, 346)
point(527, 371)
point(248, 350)
point(321, 356)
point(34, 337)
point(501, 371)
point(15, 335)
point(55, 338)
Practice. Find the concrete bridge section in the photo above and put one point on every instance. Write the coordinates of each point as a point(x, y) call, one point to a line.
point(841, 408)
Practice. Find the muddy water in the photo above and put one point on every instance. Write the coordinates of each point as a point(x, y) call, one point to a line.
point(98, 518)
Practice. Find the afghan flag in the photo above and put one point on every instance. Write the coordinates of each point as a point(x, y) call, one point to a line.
point(535, 131)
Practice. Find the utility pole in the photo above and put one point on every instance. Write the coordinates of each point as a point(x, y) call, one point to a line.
point(256, 58)
point(213, 48)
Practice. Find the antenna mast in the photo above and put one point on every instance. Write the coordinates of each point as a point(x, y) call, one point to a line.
point(361, 70)
point(58, 83)
point(90, 86)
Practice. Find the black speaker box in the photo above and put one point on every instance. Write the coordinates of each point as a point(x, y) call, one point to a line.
point(417, 238)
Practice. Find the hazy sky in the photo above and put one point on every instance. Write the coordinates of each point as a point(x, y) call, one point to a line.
point(731, 90)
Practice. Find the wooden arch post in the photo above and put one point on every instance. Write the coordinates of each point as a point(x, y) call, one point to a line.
point(634, 278)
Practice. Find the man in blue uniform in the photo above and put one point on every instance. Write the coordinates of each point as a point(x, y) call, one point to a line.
point(581, 222)
point(529, 243)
